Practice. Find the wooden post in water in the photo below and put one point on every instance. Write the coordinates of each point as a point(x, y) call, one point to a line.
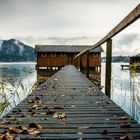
point(108, 67)
point(87, 69)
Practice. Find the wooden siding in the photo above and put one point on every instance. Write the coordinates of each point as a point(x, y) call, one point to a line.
point(62, 59)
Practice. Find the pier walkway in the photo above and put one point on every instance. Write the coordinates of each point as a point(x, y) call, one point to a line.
point(68, 106)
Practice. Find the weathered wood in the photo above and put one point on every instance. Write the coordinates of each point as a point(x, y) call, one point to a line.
point(108, 67)
point(87, 68)
point(89, 113)
point(81, 66)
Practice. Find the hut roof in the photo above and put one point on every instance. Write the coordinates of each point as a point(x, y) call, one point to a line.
point(65, 48)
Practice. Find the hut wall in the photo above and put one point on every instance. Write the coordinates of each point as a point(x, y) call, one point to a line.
point(62, 59)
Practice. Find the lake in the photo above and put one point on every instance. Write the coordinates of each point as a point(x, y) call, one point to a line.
point(125, 85)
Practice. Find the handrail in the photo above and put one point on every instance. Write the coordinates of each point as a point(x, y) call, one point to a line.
point(128, 20)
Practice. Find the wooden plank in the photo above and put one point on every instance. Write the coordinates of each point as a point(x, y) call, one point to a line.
point(89, 113)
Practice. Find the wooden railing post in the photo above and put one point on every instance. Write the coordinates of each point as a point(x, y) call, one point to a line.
point(87, 69)
point(108, 67)
point(81, 67)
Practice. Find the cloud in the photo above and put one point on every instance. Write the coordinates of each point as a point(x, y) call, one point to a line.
point(126, 44)
point(54, 40)
point(128, 39)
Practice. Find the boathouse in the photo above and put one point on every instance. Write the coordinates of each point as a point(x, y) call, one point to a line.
point(49, 56)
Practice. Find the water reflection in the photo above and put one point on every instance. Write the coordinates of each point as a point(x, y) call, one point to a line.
point(16, 82)
point(16, 71)
point(125, 89)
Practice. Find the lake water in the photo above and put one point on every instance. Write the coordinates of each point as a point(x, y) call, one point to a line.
point(125, 84)
point(17, 80)
point(125, 90)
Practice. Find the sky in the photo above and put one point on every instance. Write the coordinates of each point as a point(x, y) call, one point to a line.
point(69, 22)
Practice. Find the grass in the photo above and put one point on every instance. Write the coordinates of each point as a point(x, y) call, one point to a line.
point(10, 94)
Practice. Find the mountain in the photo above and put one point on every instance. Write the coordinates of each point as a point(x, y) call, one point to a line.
point(15, 51)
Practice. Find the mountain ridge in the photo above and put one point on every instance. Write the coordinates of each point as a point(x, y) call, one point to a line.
point(13, 50)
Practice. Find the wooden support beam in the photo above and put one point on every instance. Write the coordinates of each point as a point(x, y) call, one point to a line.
point(108, 67)
point(87, 69)
point(81, 65)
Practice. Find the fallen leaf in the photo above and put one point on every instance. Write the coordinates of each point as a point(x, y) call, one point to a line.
point(33, 113)
point(61, 115)
point(35, 106)
point(84, 127)
point(50, 112)
point(30, 101)
point(107, 119)
point(45, 107)
point(125, 137)
point(7, 136)
point(2, 137)
point(58, 107)
point(34, 125)
point(104, 132)
point(35, 133)
point(5, 122)
point(124, 118)
point(55, 115)
point(15, 130)
point(108, 102)
point(125, 125)
point(80, 133)
point(13, 118)
point(37, 98)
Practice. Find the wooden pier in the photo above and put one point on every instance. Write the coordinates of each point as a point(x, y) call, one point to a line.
point(125, 66)
point(68, 106)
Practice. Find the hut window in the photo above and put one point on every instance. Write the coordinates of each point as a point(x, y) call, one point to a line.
point(43, 54)
point(95, 55)
point(63, 54)
point(85, 55)
point(53, 54)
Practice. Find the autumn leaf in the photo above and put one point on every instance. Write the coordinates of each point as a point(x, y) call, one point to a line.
point(15, 130)
point(35, 106)
point(7, 136)
point(37, 98)
point(124, 118)
point(34, 133)
point(125, 125)
point(33, 113)
point(30, 101)
point(50, 112)
point(125, 137)
point(84, 127)
point(45, 107)
point(59, 107)
point(34, 125)
point(104, 132)
point(61, 115)
point(5, 122)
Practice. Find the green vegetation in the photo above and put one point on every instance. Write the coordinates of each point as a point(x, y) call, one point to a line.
point(119, 58)
point(10, 94)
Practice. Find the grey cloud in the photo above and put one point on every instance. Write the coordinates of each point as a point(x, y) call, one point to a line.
point(57, 40)
point(128, 39)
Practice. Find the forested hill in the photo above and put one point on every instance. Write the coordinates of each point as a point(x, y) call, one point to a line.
point(15, 51)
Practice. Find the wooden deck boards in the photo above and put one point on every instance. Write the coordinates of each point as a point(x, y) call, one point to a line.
point(89, 113)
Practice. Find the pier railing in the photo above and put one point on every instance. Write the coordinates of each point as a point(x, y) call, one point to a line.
point(128, 20)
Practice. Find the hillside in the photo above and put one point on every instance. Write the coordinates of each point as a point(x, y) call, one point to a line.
point(15, 51)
